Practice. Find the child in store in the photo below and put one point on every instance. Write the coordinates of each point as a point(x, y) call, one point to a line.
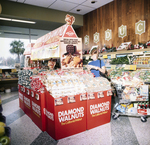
point(96, 66)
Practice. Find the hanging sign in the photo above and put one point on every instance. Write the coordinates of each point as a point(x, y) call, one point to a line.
point(122, 31)
point(108, 34)
point(86, 40)
point(140, 27)
point(96, 37)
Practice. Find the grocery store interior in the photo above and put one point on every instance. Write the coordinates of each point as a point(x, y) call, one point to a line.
point(48, 96)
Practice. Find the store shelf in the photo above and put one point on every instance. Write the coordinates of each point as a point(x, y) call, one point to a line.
point(12, 79)
point(123, 52)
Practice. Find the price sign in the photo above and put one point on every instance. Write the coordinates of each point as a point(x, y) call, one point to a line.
point(0, 70)
point(137, 53)
point(13, 70)
point(105, 56)
point(113, 55)
point(132, 67)
point(127, 67)
point(87, 56)
point(113, 66)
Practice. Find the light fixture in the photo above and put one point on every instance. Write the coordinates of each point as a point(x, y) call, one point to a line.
point(78, 10)
point(93, 2)
point(6, 19)
point(17, 20)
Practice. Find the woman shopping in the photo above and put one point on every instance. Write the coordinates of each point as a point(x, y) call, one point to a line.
point(97, 67)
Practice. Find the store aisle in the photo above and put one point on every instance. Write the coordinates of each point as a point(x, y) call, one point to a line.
point(124, 130)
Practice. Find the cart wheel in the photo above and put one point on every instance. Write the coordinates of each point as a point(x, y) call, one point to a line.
point(143, 119)
point(115, 116)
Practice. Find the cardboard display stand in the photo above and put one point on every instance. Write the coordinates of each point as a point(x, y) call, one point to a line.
point(37, 109)
point(65, 116)
point(98, 108)
point(21, 100)
point(27, 102)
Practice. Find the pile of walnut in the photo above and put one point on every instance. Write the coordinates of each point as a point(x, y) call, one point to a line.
point(72, 61)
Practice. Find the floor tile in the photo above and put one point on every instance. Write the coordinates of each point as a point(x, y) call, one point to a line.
point(23, 131)
point(100, 135)
point(10, 107)
point(142, 130)
point(122, 132)
point(44, 139)
point(8, 95)
point(14, 116)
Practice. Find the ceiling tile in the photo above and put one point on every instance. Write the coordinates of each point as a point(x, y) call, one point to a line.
point(83, 9)
point(97, 4)
point(63, 5)
point(75, 1)
point(20, 1)
point(41, 3)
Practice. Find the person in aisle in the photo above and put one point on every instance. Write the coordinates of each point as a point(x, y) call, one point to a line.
point(97, 67)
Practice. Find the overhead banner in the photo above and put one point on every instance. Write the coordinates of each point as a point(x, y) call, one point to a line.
point(122, 31)
point(140, 27)
point(71, 54)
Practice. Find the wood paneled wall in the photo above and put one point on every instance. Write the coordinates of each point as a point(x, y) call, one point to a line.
point(112, 16)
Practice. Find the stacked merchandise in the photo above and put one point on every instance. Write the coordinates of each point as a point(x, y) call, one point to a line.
point(70, 83)
point(132, 82)
point(5, 131)
point(132, 91)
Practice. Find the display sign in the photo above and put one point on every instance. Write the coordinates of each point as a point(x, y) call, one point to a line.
point(137, 53)
point(105, 56)
point(108, 34)
point(71, 53)
point(130, 67)
point(86, 40)
point(47, 46)
point(113, 66)
point(113, 55)
point(13, 70)
point(122, 31)
point(140, 27)
point(96, 37)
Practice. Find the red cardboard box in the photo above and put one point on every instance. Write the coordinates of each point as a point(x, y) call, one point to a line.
point(37, 109)
point(27, 102)
point(65, 116)
point(21, 102)
point(98, 108)
point(142, 111)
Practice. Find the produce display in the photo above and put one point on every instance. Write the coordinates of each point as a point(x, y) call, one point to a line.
point(120, 60)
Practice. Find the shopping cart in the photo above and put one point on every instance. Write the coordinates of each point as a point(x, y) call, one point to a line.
point(125, 107)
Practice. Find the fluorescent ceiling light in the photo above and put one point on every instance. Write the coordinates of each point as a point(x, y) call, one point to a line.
point(6, 19)
point(16, 20)
point(22, 21)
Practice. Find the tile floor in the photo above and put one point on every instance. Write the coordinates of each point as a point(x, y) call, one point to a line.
point(124, 130)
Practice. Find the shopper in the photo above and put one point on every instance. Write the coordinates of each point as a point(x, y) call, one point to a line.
point(97, 67)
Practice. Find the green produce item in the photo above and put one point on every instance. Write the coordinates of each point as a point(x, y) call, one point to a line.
point(2, 131)
point(2, 124)
point(120, 60)
point(5, 140)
